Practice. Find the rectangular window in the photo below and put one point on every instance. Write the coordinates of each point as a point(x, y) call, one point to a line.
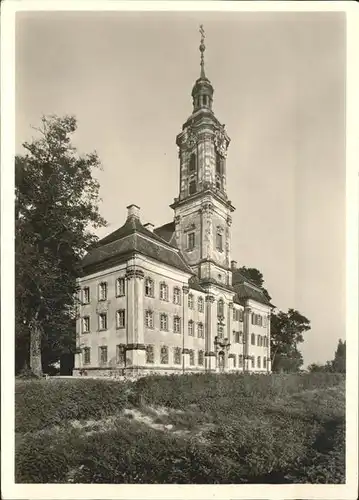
point(252, 361)
point(234, 362)
point(240, 339)
point(86, 324)
point(177, 356)
point(120, 354)
point(164, 322)
point(86, 295)
point(176, 296)
point(258, 362)
point(191, 241)
point(102, 321)
point(191, 357)
point(149, 319)
point(190, 301)
point(192, 187)
point(240, 360)
point(241, 315)
point(200, 358)
point(103, 354)
point(163, 291)
point(200, 304)
point(191, 328)
point(164, 355)
point(177, 324)
point(149, 288)
point(219, 242)
point(150, 354)
point(120, 319)
point(236, 337)
point(120, 287)
point(86, 355)
point(220, 331)
point(200, 331)
point(102, 291)
point(253, 318)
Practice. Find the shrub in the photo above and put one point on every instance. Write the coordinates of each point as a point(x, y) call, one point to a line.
point(40, 404)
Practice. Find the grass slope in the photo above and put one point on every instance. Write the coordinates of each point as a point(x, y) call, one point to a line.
point(205, 429)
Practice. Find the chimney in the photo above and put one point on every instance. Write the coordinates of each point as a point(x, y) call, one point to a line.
point(133, 211)
point(149, 226)
point(233, 265)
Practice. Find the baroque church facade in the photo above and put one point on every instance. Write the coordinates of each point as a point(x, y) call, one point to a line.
point(170, 299)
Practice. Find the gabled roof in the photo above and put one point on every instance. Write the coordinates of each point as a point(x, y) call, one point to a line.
point(129, 239)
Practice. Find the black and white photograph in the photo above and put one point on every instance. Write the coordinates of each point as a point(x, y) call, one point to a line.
point(179, 239)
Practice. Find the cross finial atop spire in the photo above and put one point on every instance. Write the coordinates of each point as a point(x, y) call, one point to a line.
point(202, 48)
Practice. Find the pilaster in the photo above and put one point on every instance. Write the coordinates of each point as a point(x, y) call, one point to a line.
point(185, 356)
point(246, 334)
point(230, 321)
point(210, 360)
point(135, 348)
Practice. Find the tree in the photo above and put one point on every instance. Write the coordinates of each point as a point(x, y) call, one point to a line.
point(256, 277)
point(339, 361)
point(286, 333)
point(56, 209)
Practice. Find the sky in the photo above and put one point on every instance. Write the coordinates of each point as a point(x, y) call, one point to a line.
point(279, 81)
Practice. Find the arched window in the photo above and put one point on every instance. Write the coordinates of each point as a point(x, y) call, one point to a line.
point(163, 291)
point(258, 362)
point(253, 339)
point(193, 163)
point(149, 287)
point(220, 308)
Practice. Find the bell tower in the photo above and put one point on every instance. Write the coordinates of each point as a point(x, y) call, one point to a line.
point(202, 209)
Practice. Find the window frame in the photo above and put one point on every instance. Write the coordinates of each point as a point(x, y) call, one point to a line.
point(102, 286)
point(149, 283)
point(200, 330)
point(103, 349)
point(118, 287)
point(118, 316)
point(164, 288)
point(191, 240)
point(191, 328)
point(149, 314)
point(100, 316)
point(120, 354)
point(177, 355)
point(86, 351)
point(177, 295)
point(84, 299)
point(200, 308)
point(164, 351)
point(163, 316)
point(83, 324)
point(177, 324)
point(150, 354)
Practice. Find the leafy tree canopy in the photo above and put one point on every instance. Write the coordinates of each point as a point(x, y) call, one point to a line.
point(56, 209)
point(256, 277)
point(287, 331)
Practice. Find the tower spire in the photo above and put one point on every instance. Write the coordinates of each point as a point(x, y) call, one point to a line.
point(202, 48)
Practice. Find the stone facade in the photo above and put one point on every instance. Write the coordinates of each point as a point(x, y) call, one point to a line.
point(170, 300)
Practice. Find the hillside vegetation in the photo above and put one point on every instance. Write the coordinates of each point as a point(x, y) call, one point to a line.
point(205, 428)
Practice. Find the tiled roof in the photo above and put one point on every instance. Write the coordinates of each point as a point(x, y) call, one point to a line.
point(167, 232)
point(247, 289)
point(195, 285)
point(132, 238)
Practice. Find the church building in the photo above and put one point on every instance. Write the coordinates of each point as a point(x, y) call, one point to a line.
point(169, 299)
